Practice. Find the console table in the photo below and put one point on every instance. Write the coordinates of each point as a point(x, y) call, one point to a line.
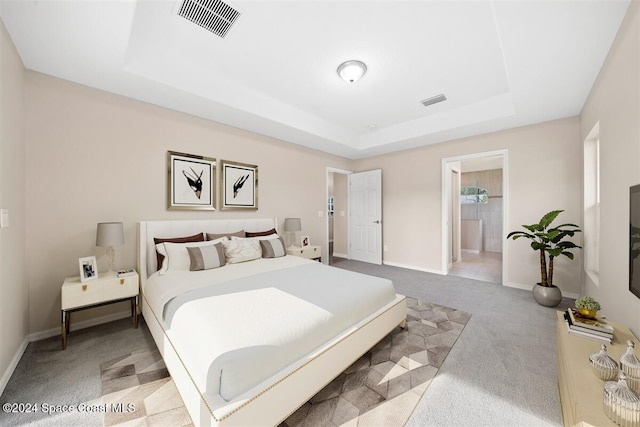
point(581, 392)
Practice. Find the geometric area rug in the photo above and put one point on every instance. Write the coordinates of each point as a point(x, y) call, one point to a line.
point(137, 391)
point(383, 387)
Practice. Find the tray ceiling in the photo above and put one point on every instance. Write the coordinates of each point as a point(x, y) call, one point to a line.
point(500, 64)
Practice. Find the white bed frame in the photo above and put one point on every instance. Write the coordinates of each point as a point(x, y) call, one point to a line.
point(278, 397)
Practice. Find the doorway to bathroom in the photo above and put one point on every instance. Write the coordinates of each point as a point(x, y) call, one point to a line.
point(476, 191)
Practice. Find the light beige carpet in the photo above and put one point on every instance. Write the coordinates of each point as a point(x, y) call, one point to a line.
point(381, 388)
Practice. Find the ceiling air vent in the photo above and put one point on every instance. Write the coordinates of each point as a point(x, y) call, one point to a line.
point(213, 15)
point(433, 100)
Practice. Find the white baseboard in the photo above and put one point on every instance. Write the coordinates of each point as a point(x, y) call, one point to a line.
point(13, 364)
point(471, 251)
point(413, 267)
point(339, 255)
point(37, 336)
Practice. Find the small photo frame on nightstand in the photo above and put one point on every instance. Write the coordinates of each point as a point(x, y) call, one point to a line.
point(88, 268)
point(304, 241)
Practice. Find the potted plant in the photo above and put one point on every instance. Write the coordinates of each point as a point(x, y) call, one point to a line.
point(587, 306)
point(550, 242)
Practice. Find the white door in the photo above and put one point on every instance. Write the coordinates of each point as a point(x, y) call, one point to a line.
point(365, 216)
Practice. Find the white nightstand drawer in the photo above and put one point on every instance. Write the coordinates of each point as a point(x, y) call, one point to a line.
point(121, 288)
point(79, 294)
point(76, 294)
point(309, 252)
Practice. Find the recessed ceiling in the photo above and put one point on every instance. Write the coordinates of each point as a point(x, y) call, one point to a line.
point(500, 64)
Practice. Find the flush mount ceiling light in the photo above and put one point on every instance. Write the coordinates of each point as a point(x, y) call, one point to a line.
point(352, 71)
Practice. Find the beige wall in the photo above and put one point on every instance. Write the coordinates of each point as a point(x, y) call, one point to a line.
point(14, 297)
point(95, 156)
point(544, 173)
point(614, 103)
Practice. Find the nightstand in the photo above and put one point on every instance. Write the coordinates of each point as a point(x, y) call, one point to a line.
point(108, 288)
point(310, 252)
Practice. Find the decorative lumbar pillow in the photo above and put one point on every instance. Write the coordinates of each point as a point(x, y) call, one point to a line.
point(241, 250)
point(260, 233)
point(211, 236)
point(176, 256)
point(157, 240)
point(206, 257)
point(273, 248)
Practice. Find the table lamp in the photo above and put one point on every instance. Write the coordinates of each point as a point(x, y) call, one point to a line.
point(110, 234)
point(291, 226)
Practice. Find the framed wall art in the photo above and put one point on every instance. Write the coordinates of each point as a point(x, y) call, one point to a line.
point(239, 185)
point(191, 182)
point(88, 268)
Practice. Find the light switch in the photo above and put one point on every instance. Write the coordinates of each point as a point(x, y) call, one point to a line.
point(4, 218)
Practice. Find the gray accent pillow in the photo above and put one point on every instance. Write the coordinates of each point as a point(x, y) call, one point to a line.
point(273, 248)
point(206, 257)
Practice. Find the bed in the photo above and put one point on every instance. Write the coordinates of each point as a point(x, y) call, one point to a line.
point(248, 342)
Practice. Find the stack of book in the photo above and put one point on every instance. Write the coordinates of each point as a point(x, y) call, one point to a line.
point(597, 329)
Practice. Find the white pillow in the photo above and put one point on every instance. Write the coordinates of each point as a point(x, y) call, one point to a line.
point(241, 250)
point(176, 256)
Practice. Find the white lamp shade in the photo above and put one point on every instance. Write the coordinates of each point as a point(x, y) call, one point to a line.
point(292, 224)
point(352, 71)
point(110, 234)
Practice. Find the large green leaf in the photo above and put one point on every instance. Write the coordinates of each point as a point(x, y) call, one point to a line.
point(548, 218)
point(518, 234)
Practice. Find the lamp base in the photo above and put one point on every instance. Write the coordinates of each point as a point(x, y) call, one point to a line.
point(111, 256)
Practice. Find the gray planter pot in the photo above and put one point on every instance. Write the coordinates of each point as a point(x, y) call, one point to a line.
point(549, 296)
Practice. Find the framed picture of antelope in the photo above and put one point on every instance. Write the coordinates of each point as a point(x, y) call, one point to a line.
point(239, 185)
point(191, 181)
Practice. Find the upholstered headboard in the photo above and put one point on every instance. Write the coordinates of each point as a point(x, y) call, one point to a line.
point(147, 230)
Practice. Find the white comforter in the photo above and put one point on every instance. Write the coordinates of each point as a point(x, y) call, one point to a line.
point(238, 325)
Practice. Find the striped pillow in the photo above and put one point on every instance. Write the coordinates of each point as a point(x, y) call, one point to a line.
point(273, 248)
point(206, 257)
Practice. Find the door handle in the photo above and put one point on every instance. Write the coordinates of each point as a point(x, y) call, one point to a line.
point(376, 221)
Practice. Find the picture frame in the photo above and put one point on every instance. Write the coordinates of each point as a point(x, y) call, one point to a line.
point(88, 268)
point(191, 182)
point(304, 241)
point(238, 186)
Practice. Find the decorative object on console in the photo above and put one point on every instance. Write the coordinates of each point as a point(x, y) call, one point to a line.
point(550, 242)
point(603, 365)
point(304, 241)
point(587, 306)
point(191, 183)
point(88, 269)
point(621, 404)
point(291, 227)
point(586, 327)
point(630, 365)
point(239, 186)
point(110, 234)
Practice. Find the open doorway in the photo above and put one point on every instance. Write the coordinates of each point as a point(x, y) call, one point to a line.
point(476, 215)
point(337, 215)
